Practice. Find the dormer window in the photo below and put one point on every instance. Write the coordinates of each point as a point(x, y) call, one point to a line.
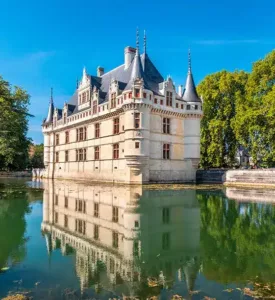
point(188, 107)
point(113, 100)
point(64, 118)
point(137, 93)
point(95, 107)
point(169, 97)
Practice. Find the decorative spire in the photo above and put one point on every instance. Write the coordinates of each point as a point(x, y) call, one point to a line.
point(137, 40)
point(144, 42)
point(189, 61)
point(51, 109)
point(190, 92)
point(77, 83)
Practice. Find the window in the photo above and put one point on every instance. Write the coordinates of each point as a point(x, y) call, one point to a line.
point(56, 200)
point(64, 118)
point(84, 97)
point(113, 100)
point(55, 217)
point(130, 95)
point(96, 210)
point(177, 105)
point(67, 137)
point(76, 155)
point(137, 93)
point(115, 240)
point(188, 107)
point(80, 155)
point(161, 102)
point(85, 133)
point(57, 157)
point(66, 202)
point(80, 206)
point(136, 224)
point(116, 125)
point(166, 125)
point(95, 107)
point(196, 107)
point(116, 151)
point(166, 241)
point(136, 248)
point(169, 97)
point(57, 139)
point(165, 215)
point(144, 95)
point(97, 130)
point(137, 120)
point(115, 214)
point(80, 226)
point(96, 232)
point(97, 153)
point(84, 154)
point(137, 145)
point(156, 101)
point(112, 266)
point(81, 136)
point(166, 151)
point(181, 106)
point(66, 156)
point(65, 221)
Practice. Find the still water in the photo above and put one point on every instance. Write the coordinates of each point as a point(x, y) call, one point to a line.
point(63, 240)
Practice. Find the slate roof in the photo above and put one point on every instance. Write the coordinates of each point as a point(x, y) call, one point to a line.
point(140, 67)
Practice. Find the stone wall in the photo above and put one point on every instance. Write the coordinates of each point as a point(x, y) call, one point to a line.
point(210, 176)
point(4, 174)
point(251, 177)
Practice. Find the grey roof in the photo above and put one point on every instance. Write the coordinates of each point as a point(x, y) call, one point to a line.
point(49, 118)
point(190, 93)
point(137, 71)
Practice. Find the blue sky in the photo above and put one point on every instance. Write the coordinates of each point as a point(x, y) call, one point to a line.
point(46, 44)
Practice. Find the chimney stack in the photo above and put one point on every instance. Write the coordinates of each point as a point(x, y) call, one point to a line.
point(129, 54)
point(100, 71)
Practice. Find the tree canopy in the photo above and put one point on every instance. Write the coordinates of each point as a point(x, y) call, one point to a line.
point(239, 110)
point(14, 143)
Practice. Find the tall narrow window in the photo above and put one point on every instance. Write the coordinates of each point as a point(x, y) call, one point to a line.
point(84, 154)
point(64, 118)
point(116, 151)
point(116, 125)
point(96, 210)
point(80, 154)
point(67, 137)
point(115, 239)
point(113, 100)
point(66, 156)
point(56, 217)
point(66, 202)
point(81, 136)
point(169, 97)
point(96, 153)
point(97, 130)
point(115, 214)
point(137, 120)
point(130, 95)
point(57, 139)
point(166, 241)
point(165, 215)
point(166, 125)
point(166, 151)
point(188, 106)
point(65, 221)
point(96, 232)
point(57, 157)
point(76, 155)
point(85, 134)
point(95, 107)
point(56, 200)
point(77, 134)
point(137, 93)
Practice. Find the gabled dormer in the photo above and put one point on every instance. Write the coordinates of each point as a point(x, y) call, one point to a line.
point(168, 91)
point(113, 93)
point(95, 99)
point(65, 113)
point(84, 91)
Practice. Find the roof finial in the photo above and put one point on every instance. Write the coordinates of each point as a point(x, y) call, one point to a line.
point(137, 41)
point(144, 42)
point(51, 100)
point(189, 60)
point(77, 83)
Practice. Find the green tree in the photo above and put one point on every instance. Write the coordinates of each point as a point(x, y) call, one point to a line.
point(14, 143)
point(37, 159)
point(221, 92)
point(254, 123)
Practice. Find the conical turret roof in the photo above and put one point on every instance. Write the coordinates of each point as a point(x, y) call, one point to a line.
point(50, 111)
point(190, 92)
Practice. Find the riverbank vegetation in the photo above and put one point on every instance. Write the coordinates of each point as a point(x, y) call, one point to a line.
point(239, 110)
point(14, 143)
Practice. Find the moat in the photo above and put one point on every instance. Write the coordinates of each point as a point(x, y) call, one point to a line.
point(68, 240)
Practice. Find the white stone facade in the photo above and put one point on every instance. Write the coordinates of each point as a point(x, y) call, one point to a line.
point(129, 131)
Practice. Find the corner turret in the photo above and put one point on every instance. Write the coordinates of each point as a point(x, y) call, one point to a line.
point(49, 118)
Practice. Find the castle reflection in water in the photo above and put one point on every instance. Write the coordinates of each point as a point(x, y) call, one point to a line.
point(124, 238)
